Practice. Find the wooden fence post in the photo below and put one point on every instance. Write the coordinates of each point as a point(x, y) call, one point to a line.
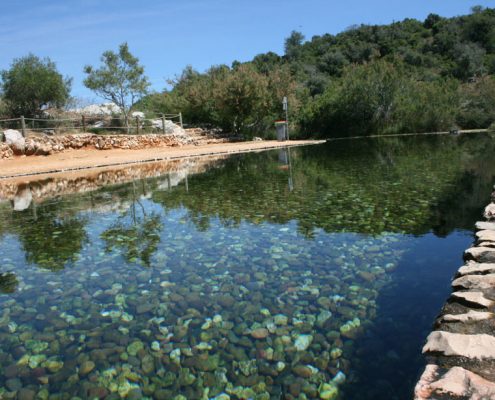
point(180, 120)
point(163, 124)
point(23, 126)
point(83, 124)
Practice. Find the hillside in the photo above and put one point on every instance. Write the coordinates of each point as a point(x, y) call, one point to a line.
point(406, 76)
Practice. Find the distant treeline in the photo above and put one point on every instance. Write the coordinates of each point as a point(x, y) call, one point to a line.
point(409, 76)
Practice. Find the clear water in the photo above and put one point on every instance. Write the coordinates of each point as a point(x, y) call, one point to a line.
point(301, 274)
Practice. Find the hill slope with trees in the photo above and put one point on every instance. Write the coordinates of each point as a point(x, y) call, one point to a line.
point(408, 76)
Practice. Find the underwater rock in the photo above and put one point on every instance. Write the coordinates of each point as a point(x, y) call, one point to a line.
point(26, 394)
point(328, 391)
point(302, 342)
point(260, 333)
point(281, 319)
point(13, 384)
point(148, 364)
point(303, 371)
point(135, 347)
point(155, 346)
point(86, 367)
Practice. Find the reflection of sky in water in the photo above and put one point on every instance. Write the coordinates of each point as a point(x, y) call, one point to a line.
point(237, 283)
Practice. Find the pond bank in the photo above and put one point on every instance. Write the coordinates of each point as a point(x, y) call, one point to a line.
point(72, 160)
point(460, 352)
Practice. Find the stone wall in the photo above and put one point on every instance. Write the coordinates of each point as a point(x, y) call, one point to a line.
point(460, 352)
point(44, 145)
point(5, 151)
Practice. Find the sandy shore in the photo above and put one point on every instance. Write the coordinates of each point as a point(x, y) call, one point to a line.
point(72, 160)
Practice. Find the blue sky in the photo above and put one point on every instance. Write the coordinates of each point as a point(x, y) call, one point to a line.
point(168, 35)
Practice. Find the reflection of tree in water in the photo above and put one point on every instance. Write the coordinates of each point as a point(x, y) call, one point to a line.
point(137, 237)
point(367, 186)
point(8, 282)
point(50, 239)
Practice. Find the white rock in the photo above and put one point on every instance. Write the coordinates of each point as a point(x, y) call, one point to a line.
point(422, 390)
point(489, 213)
point(475, 281)
point(476, 252)
point(15, 140)
point(456, 344)
point(98, 109)
point(455, 383)
point(302, 342)
point(486, 235)
point(477, 298)
point(476, 268)
point(481, 225)
point(467, 317)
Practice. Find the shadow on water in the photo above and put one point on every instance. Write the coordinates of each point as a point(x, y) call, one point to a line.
point(352, 244)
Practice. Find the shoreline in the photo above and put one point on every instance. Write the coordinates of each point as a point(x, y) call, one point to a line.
point(460, 350)
point(75, 160)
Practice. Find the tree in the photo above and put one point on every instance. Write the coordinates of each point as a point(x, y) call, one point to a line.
point(120, 79)
point(293, 44)
point(32, 84)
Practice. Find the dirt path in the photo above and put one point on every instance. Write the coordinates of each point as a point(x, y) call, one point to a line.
point(72, 160)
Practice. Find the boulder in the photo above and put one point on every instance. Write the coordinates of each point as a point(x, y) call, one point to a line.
point(15, 140)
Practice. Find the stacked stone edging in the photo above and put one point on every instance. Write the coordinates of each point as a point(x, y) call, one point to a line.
point(46, 145)
point(460, 352)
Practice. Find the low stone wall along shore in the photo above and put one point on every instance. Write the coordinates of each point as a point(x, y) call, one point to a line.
point(460, 352)
point(42, 145)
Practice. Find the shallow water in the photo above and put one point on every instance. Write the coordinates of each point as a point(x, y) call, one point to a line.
point(310, 273)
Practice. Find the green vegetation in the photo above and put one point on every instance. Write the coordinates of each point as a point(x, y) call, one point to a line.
point(409, 76)
point(32, 84)
point(120, 79)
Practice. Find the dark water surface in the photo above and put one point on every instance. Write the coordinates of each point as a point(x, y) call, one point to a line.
point(302, 274)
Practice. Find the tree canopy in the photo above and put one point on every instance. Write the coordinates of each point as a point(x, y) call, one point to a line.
point(32, 84)
point(120, 79)
point(408, 76)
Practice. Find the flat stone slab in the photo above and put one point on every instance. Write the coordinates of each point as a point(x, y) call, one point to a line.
point(476, 252)
point(456, 344)
point(485, 236)
point(470, 316)
point(477, 298)
point(456, 383)
point(486, 244)
point(473, 268)
point(482, 225)
point(475, 281)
